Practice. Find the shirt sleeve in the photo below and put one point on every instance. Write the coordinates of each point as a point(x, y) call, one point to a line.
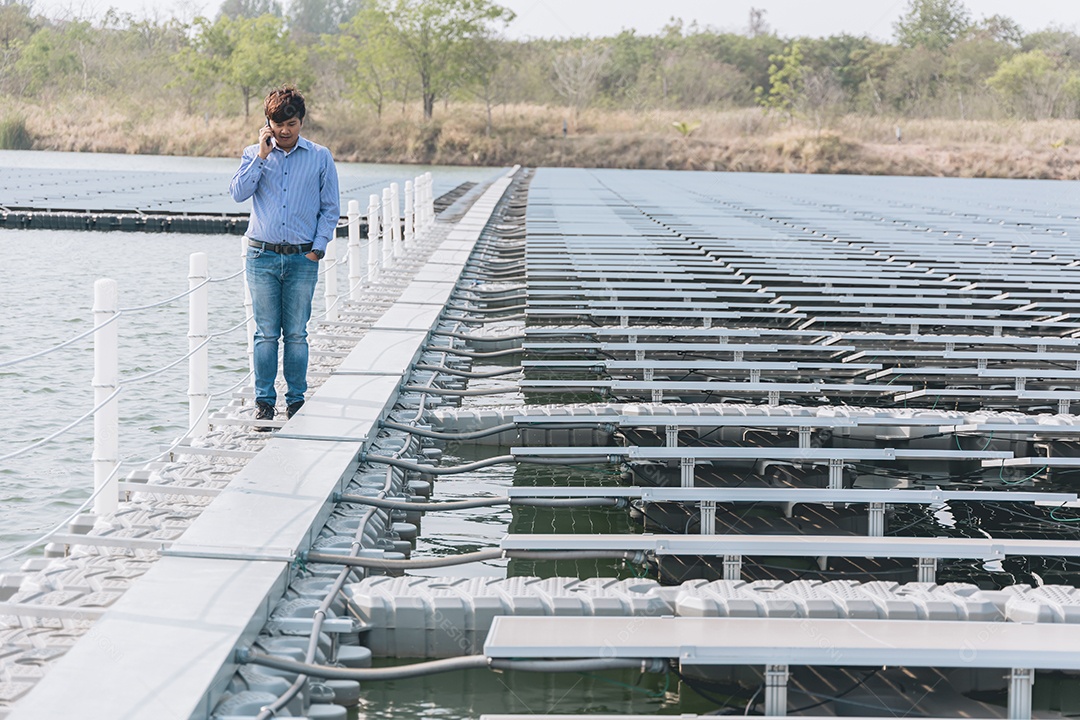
point(329, 204)
point(246, 180)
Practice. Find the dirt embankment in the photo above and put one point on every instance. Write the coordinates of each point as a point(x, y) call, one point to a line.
point(737, 140)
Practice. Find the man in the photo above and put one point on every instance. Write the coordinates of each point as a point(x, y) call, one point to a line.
point(295, 208)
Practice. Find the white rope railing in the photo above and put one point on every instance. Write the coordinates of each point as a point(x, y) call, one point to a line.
point(124, 463)
point(63, 523)
point(61, 346)
point(63, 430)
point(165, 368)
point(238, 273)
point(387, 241)
point(169, 301)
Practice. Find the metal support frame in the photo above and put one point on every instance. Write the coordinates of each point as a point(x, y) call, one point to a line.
point(927, 569)
point(876, 524)
point(776, 682)
point(804, 436)
point(1021, 682)
point(707, 520)
point(733, 567)
point(836, 474)
point(686, 471)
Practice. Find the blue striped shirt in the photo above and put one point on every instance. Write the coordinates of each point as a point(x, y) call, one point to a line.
point(294, 196)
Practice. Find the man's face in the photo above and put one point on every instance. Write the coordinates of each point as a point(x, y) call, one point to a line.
point(286, 133)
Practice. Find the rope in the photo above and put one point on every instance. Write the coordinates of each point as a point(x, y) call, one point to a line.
point(64, 522)
point(91, 331)
point(170, 366)
point(234, 328)
point(64, 429)
point(114, 318)
point(228, 277)
point(166, 302)
point(228, 390)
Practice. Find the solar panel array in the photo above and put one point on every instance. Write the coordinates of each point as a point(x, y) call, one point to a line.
point(875, 293)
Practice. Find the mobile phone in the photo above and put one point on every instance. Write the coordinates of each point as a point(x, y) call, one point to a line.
point(270, 138)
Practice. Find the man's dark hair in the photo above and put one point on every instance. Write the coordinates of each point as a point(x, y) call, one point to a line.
point(284, 103)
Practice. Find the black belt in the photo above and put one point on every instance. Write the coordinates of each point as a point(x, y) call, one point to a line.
point(283, 249)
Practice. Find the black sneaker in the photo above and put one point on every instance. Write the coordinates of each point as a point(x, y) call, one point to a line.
point(264, 411)
point(293, 409)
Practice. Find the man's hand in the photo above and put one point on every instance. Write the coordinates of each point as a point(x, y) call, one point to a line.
point(265, 143)
point(312, 257)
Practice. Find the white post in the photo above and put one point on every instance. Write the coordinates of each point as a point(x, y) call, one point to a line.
point(249, 310)
point(395, 219)
point(373, 254)
point(329, 261)
point(429, 190)
point(421, 202)
point(356, 259)
point(409, 207)
point(107, 419)
point(199, 362)
point(387, 230)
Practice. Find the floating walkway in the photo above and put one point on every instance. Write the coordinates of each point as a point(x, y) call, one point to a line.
point(836, 413)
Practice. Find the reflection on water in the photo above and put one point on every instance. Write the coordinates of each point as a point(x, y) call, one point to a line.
point(467, 695)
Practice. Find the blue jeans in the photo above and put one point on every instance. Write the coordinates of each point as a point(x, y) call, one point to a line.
point(282, 287)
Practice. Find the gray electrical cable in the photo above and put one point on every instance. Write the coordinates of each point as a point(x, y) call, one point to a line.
point(469, 467)
point(431, 470)
point(477, 338)
point(651, 665)
point(468, 662)
point(479, 502)
point(484, 321)
point(425, 506)
point(433, 667)
point(632, 556)
point(389, 564)
point(499, 390)
point(487, 311)
point(472, 353)
point(434, 435)
point(467, 374)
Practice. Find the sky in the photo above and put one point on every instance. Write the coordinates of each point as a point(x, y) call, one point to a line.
point(598, 18)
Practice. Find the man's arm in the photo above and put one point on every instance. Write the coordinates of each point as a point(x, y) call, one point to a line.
point(246, 180)
point(329, 204)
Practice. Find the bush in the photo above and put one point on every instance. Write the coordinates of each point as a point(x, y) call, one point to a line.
point(14, 135)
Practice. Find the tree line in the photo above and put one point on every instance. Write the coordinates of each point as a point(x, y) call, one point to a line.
point(389, 55)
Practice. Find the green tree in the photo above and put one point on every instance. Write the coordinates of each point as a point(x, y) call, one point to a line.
point(249, 8)
point(371, 63)
point(1033, 84)
point(838, 57)
point(786, 76)
point(247, 55)
point(16, 28)
point(485, 61)
point(264, 56)
point(1001, 29)
point(434, 35)
point(46, 59)
point(321, 17)
point(914, 80)
point(933, 24)
point(576, 74)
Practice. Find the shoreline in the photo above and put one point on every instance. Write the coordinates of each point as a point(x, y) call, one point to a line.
point(745, 140)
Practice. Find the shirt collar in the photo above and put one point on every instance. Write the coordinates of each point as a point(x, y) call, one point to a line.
point(301, 142)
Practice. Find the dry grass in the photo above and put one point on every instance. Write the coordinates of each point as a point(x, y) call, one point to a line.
point(741, 140)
